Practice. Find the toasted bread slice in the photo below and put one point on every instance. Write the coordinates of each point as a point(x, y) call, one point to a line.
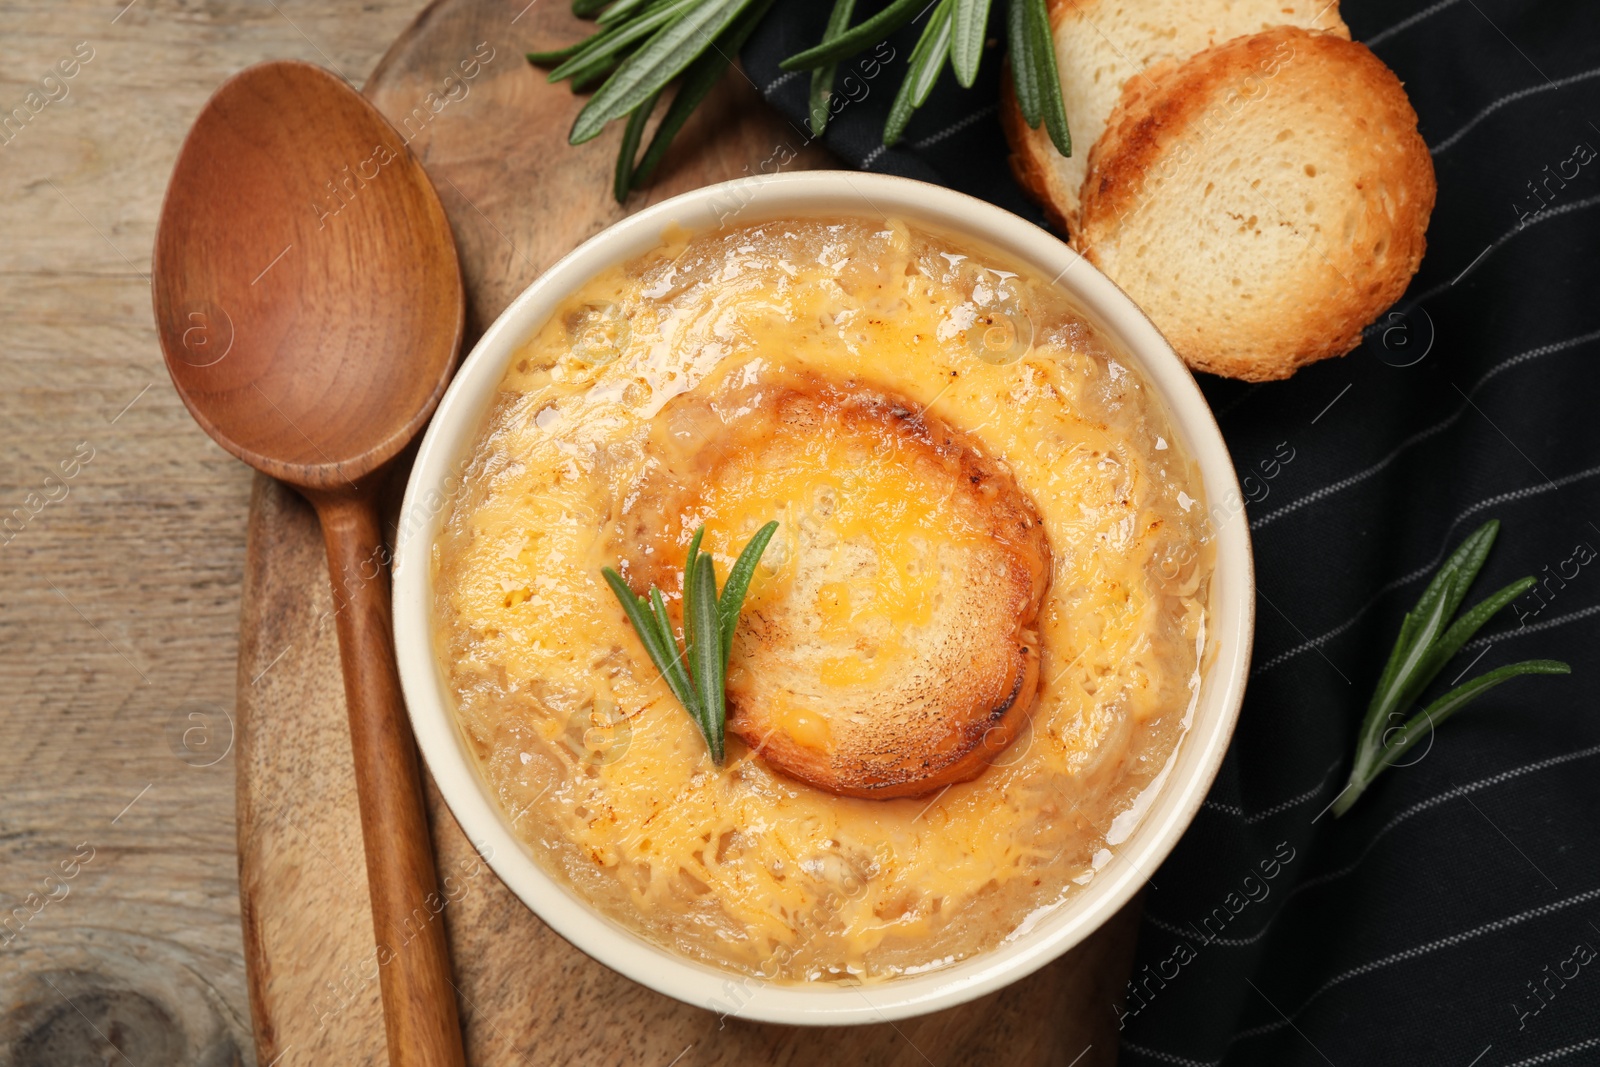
point(1102, 45)
point(1262, 201)
point(887, 648)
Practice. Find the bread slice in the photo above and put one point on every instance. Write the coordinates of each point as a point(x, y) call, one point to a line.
point(1262, 201)
point(1101, 45)
point(839, 676)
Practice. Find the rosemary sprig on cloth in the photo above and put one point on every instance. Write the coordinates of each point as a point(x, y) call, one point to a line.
point(1428, 639)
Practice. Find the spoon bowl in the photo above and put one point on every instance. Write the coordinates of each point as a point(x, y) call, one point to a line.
point(299, 239)
point(309, 304)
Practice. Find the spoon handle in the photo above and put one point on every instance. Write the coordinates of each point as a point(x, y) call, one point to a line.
point(419, 1003)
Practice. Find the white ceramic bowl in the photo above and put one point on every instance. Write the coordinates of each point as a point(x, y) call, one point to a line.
point(1171, 804)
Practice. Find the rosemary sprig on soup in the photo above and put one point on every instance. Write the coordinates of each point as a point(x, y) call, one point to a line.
point(697, 674)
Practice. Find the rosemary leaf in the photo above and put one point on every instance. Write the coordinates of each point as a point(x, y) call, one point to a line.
point(608, 43)
point(691, 563)
point(556, 55)
point(1043, 50)
point(640, 612)
point(676, 671)
point(970, 22)
point(1024, 70)
point(631, 136)
point(698, 675)
point(927, 63)
point(1428, 640)
point(1401, 690)
point(1462, 695)
point(636, 608)
point(866, 35)
point(733, 594)
point(622, 9)
point(706, 655)
point(693, 554)
point(586, 8)
point(1462, 629)
point(1463, 564)
point(937, 34)
point(822, 77)
point(661, 59)
point(695, 85)
point(1397, 687)
point(1467, 560)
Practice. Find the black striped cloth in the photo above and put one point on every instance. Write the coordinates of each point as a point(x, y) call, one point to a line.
point(1453, 917)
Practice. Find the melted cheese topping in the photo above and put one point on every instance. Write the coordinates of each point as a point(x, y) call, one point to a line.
point(604, 774)
point(879, 521)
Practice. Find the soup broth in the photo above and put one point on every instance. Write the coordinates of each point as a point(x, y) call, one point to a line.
point(603, 774)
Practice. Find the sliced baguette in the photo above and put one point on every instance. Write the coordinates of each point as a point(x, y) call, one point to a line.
point(1103, 44)
point(965, 680)
point(865, 703)
point(1262, 201)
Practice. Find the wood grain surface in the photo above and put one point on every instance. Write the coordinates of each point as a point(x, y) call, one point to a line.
point(120, 603)
point(120, 581)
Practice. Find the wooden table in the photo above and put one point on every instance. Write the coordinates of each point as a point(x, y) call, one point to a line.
point(119, 586)
point(121, 568)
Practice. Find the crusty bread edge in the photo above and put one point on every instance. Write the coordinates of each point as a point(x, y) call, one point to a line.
point(984, 739)
point(1343, 324)
point(995, 717)
point(1032, 151)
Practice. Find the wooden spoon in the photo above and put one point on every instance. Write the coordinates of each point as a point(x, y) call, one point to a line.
point(310, 309)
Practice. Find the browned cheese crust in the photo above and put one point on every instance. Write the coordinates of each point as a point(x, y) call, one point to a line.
point(1102, 44)
point(1254, 123)
point(965, 683)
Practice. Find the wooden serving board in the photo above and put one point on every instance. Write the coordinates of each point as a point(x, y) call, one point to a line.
point(492, 134)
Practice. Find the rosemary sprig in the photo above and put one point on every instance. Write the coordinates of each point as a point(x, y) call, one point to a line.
point(956, 30)
point(640, 47)
point(1033, 48)
point(927, 62)
point(683, 36)
point(864, 36)
point(698, 673)
point(822, 77)
point(1428, 640)
point(971, 21)
point(696, 84)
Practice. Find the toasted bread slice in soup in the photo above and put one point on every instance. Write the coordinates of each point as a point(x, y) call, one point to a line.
point(1262, 201)
point(1102, 45)
point(887, 647)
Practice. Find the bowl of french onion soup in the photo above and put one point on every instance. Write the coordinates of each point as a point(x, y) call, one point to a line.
point(826, 586)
